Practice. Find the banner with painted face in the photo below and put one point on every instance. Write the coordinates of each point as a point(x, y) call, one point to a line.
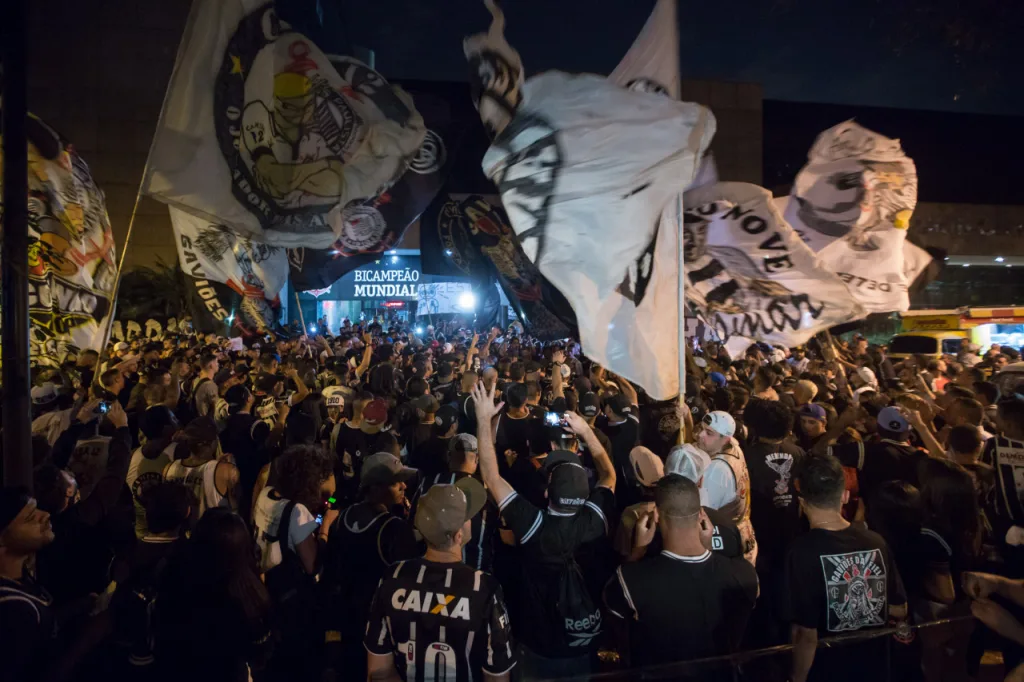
point(851, 204)
point(378, 224)
point(470, 236)
point(495, 73)
point(230, 281)
point(750, 275)
point(71, 256)
point(264, 134)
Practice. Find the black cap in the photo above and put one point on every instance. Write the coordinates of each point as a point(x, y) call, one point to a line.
point(590, 405)
point(445, 418)
point(620, 404)
point(568, 486)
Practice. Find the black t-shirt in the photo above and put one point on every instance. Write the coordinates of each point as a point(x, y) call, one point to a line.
point(245, 436)
point(27, 630)
point(878, 462)
point(544, 538)
point(364, 542)
point(683, 608)
point(352, 447)
point(725, 535)
point(441, 621)
point(774, 507)
point(430, 456)
point(445, 391)
point(467, 413)
point(514, 434)
point(624, 437)
point(660, 426)
point(838, 582)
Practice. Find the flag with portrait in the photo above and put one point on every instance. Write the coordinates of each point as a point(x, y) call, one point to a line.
point(264, 134)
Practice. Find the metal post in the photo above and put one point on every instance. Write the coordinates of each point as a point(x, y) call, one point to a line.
point(681, 306)
point(14, 342)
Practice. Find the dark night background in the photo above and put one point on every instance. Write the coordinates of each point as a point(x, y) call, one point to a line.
point(953, 55)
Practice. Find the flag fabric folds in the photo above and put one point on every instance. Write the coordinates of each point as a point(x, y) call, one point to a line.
point(585, 169)
point(470, 236)
point(652, 63)
point(852, 204)
point(72, 269)
point(751, 276)
point(378, 224)
point(264, 134)
point(496, 73)
point(233, 283)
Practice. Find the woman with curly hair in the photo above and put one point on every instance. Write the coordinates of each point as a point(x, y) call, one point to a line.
point(287, 517)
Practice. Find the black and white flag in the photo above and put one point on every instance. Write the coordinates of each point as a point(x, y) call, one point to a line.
point(751, 276)
point(264, 134)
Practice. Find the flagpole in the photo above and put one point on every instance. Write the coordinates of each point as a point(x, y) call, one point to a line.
point(681, 306)
point(192, 13)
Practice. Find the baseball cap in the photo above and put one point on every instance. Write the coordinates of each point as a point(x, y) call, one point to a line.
point(121, 346)
point(427, 403)
point(892, 419)
point(334, 396)
point(463, 442)
point(589, 404)
point(446, 417)
point(718, 379)
point(648, 467)
point(12, 500)
point(375, 412)
point(720, 422)
point(866, 375)
point(568, 487)
point(201, 430)
point(814, 412)
point(688, 461)
point(444, 509)
point(620, 404)
point(44, 394)
point(383, 468)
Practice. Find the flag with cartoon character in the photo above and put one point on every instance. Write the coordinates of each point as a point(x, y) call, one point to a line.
point(851, 204)
point(264, 134)
point(72, 267)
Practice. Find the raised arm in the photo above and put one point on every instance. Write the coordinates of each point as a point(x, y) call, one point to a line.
point(483, 400)
point(367, 354)
point(557, 387)
point(605, 470)
point(301, 391)
point(932, 443)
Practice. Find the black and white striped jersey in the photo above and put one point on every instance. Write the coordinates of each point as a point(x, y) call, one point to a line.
point(442, 622)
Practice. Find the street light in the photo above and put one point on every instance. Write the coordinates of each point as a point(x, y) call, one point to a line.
point(467, 300)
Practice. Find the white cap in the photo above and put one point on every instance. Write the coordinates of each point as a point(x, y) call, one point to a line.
point(447, 348)
point(688, 461)
point(867, 376)
point(720, 422)
point(121, 345)
point(44, 393)
point(334, 396)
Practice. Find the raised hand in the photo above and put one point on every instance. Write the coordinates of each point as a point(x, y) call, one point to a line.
point(483, 400)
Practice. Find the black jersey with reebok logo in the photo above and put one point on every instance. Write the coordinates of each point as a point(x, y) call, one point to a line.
point(442, 622)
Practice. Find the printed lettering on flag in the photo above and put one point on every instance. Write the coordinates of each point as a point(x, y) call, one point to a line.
point(749, 273)
point(72, 268)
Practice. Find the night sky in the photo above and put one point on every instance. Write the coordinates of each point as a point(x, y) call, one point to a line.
point(951, 55)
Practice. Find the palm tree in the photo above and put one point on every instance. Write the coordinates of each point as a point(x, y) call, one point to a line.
point(156, 292)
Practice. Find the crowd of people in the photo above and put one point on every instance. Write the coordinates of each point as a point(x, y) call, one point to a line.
point(373, 502)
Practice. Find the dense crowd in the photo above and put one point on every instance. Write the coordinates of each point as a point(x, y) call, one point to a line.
point(450, 506)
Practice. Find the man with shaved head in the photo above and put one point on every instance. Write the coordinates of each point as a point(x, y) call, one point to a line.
point(686, 602)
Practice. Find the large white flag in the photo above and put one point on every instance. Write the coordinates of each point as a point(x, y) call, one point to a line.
point(633, 329)
point(750, 274)
point(852, 204)
point(585, 169)
point(262, 133)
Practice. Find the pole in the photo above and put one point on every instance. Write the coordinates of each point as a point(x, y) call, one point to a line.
point(681, 304)
point(302, 318)
point(14, 340)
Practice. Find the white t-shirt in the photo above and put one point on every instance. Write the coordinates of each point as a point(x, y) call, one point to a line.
point(267, 516)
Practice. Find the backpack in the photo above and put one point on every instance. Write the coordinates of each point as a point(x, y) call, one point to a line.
point(132, 611)
point(576, 611)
